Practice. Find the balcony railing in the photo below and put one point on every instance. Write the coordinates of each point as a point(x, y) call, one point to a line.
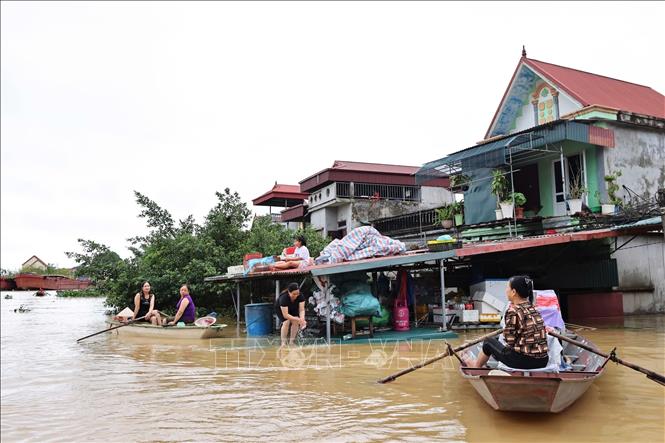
point(421, 221)
point(383, 192)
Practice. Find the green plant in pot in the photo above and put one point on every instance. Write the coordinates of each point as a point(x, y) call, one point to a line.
point(499, 188)
point(444, 215)
point(458, 212)
point(612, 188)
point(520, 201)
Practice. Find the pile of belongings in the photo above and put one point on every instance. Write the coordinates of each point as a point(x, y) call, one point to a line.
point(355, 299)
point(363, 242)
point(318, 299)
point(547, 304)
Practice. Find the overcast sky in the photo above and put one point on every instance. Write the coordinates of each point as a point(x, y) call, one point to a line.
point(179, 100)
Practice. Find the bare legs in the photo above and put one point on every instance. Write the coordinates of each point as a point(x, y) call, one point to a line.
point(479, 362)
point(284, 332)
point(154, 317)
point(286, 264)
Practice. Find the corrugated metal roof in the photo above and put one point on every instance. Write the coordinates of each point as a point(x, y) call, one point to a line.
point(281, 192)
point(343, 165)
point(338, 268)
point(594, 89)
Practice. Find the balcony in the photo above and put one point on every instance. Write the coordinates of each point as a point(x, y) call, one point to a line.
point(383, 192)
point(420, 221)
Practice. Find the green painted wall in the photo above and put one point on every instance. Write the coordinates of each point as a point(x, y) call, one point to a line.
point(597, 114)
point(546, 177)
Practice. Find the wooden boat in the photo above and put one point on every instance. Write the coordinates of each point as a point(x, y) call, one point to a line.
point(537, 391)
point(149, 331)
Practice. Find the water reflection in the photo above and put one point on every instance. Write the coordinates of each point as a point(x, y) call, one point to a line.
point(121, 388)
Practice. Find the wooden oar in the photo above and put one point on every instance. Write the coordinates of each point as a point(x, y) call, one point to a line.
point(658, 378)
point(110, 329)
point(445, 354)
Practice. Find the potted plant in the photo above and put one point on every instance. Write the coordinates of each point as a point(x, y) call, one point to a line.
point(612, 188)
point(458, 211)
point(499, 187)
point(444, 215)
point(576, 193)
point(520, 201)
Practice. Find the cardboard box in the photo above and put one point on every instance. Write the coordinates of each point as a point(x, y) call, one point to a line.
point(496, 288)
point(484, 308)
point(470, 315)
point(487, 303)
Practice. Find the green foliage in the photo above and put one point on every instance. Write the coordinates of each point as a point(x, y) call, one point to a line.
point(613, 187)
point(87, 292)
point(184, 252)
point(519, 198)
point(270, 239)
point(457, 208)
point(97, 262)
point(445, 212)
point(499, 185)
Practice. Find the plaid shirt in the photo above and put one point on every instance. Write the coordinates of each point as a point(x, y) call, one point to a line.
point(525, 330)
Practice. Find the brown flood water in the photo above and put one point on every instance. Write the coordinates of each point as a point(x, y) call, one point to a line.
point(111, 388)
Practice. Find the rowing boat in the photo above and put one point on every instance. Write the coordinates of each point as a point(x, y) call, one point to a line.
point(149, 331)
point(529, 391)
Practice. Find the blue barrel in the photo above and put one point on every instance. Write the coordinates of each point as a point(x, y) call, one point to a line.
point(258, 318)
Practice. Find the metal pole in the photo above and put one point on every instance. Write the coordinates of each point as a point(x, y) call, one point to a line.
point(512, 194)
point(563, 181)
point(238, 309)
point(444, 311)
point(328, 310)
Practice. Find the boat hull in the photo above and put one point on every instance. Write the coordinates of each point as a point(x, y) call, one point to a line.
point(149, 332)
point(536, 391)
point(530, 394)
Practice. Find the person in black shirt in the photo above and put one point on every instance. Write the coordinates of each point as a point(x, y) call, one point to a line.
point(291, 311)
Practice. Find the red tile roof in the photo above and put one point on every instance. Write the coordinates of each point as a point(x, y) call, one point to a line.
point(279, 194)
point(374, 167)
point(594, 89)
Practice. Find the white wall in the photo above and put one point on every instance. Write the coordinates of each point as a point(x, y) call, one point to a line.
point(322, 196)
point(640, 155)
point(641, 264)
point(318, 218)
point(433, 197)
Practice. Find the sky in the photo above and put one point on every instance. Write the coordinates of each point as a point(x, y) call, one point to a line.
point(180, 100)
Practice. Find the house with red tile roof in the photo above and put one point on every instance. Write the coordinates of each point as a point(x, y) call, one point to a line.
point(348, 194)
point(576, 150)
point(557, 133)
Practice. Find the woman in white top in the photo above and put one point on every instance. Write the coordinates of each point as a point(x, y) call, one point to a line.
point(299, 259)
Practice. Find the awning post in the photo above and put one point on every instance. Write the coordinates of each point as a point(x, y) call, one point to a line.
point(238, 309)
point(444, 311)
point(277, 325)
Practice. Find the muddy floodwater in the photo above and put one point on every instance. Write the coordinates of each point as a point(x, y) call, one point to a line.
point(111, 388)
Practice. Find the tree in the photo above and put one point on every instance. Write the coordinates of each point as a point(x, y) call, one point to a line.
point(173, 253)
point(97, 262)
